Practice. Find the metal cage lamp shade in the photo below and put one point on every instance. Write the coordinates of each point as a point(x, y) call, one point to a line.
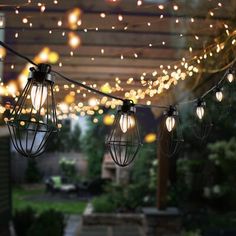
point(33, 119)
point(124, 140)
point(171, 132)
point(202, 125)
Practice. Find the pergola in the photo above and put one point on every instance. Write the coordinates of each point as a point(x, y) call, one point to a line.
point(122, 42)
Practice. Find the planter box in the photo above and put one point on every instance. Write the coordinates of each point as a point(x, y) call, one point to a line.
point(112, 219)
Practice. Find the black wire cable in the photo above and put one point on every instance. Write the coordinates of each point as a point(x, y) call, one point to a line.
point(17, 53)
point(87, 87)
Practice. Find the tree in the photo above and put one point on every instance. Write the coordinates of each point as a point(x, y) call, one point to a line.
point(94, 146)
point(66, 140)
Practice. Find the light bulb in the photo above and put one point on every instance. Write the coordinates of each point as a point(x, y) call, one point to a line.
point(38, 95)
point(219, 96)
point(126, 122)
point(230, 77)
point(200, 112)
point(170, 123)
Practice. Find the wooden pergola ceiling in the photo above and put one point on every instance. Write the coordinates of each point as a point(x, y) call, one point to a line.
point(170, 41)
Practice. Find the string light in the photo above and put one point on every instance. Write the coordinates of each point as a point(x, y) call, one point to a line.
point(170, 118)
point(102, 15)
point(164, 82)
point(42, 8)
point(219, 94)
point(59, 23)
point(74, 40)
point(120, 17)
point(230, 76)
point(25, 20)
point(1, 21)
point(74, 18)
point(200, 109)
point(124, 141)
point(175, 8)
point(40, 88)
point(139, 2)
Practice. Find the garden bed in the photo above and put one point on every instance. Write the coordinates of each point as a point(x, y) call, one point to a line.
point(91, 218)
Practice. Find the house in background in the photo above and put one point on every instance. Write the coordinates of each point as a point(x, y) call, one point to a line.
point(110, 170)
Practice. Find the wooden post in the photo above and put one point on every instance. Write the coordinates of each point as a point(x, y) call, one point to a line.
point(163, 166)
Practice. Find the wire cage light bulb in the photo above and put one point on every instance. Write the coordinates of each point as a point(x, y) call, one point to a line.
point(126, 122)
point(170, 136)
point(200, 109)
point(124, 141)
point(219, 94)
point(38, 95)
point(170, 123)
point(32, 121)
point(170, 118)
point(230, 76)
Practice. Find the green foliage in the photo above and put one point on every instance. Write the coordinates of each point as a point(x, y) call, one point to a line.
point(32, 174)
point(66, 140)
point(23, 220)
point(75, 139)
point(144, 174)
point(191, 233)
point(143, 163)
point(196, 175)
point(222, 162)
point(121, 199)
point(139, 192)
point(94, 146)
point(49, 223)
point(104, 204)
point(68, 168)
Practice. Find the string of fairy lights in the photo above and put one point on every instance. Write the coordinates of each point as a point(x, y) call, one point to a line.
point(41, 118)
point(150, 84)
point(151, 87)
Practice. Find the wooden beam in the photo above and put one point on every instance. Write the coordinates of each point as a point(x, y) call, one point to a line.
point(163, 167)
point(126, 9)
point(163, 53)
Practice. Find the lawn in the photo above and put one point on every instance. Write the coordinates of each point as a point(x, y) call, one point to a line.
point(22, 198)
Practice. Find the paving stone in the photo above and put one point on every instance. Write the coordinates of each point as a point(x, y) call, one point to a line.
point(72, 225)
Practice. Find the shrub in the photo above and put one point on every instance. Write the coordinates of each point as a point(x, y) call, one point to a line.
point(120, 198)
point(32, 174)
point(68, 168)
point(103, 204)
point(23, 220)
point(49, 223)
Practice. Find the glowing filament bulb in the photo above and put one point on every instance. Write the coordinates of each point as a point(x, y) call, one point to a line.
point(170, 123)
point(200, 112)
point(126, 122)
point(74, 40)
point(230, 77)
point(38, 96)
point(219, 95)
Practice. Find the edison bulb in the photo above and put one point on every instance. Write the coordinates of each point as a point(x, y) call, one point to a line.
point(170, 123)
point(126, 122)
point(38, 95)
point(230, 77)
point(200, 112)
point(219, 96)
